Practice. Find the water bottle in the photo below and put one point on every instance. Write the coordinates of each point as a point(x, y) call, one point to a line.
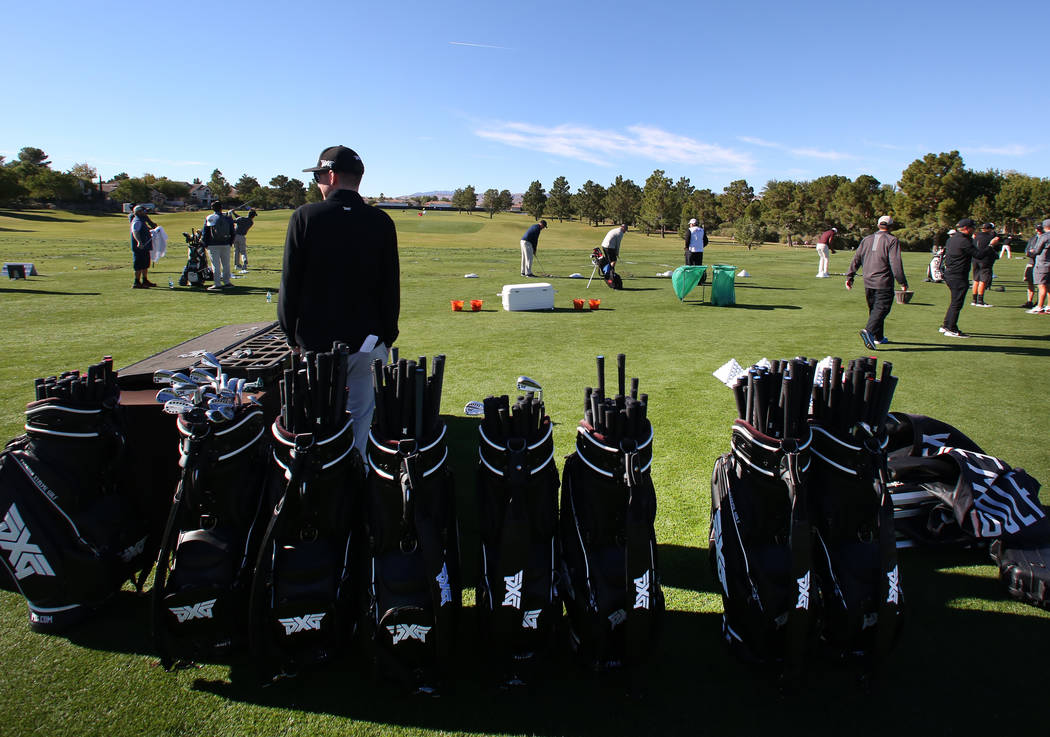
point(171, 284)
point(269, 298)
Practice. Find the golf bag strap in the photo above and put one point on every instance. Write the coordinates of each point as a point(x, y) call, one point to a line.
point(513, 552)
point(640, 566)
point(801, 545)
point(890, 601)
point(434, 548)
point(189, 475)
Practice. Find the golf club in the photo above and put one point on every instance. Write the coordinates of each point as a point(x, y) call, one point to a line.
point(178, 406)
point(474, 408)
point(525, 384)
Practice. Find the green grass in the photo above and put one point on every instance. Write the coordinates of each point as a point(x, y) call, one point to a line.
point(969, 659)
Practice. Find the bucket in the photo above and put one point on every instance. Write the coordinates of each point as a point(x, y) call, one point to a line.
point(577, 304)
point(475, 304)
point(457, 305)
point(594, 303)
point(903, 297)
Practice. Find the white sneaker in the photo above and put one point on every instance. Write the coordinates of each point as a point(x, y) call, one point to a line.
point(1046, 310)
point(941, 329)
point(955, 334)
point(1035, 311)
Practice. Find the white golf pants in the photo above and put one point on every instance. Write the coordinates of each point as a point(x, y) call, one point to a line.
point(360, 399)
point(220, 262)
point(822, 252)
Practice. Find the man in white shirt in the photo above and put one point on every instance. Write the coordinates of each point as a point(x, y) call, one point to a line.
point(611, 243)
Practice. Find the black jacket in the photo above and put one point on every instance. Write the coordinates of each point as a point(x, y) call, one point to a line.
point(958, 253)
point(341, 278)
point(984, 253)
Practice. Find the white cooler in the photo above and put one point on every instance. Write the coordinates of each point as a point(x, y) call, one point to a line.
point(539, 296)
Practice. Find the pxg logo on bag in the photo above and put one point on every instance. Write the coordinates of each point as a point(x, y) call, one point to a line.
point(26, 559)
point(513, 595)
point(408, 632)
point(302, 624)
point(200, 610)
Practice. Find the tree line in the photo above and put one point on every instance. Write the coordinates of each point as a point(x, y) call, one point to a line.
point(933, 193)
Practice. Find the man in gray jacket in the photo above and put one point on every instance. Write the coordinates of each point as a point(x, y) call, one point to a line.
point(879, 256)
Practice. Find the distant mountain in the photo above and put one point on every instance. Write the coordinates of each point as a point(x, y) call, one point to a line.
point(432, 195)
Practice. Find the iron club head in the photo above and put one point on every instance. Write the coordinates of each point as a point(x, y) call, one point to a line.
point(474, 408)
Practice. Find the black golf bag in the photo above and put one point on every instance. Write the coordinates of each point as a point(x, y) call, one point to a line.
point(856, 551)
point(69, 536)
point(960, 494)
point(211, 539)
point(852, 511)
point(761, 547)
point(603, 264)
point(610, 578)
point(303, 607)
point(196, 272)
point(412, 586)
point(517, 482)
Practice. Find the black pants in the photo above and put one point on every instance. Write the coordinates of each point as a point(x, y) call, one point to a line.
point(880, 301)
point(694, 258)
point(958, 286)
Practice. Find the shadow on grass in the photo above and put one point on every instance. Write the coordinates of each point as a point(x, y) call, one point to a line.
point(36, 217)
point(692, 680)
point(964, 346)
point(738, 285)
point(14, 230)
point(738, 306)
point(9, 290)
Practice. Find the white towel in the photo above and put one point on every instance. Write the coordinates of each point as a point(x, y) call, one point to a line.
point(160, 243)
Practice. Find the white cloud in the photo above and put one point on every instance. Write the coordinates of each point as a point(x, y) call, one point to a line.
point(807, 153)
point(477, 46)
point(1014, 149)
point(813, 153)
point(759, 142)
point(601, 147)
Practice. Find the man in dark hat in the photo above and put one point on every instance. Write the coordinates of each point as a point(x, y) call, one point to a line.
point(958, 254)
point(341, 279)
point(984, 258)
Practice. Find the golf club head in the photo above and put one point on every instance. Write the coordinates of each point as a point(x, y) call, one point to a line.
point(253, 401)
point(162, 376)
point(209, 359)
point(220, 401)
point(181, 378)
point(253, 386)
point(166, 395)
point(474, 408)
point(183, 389)
point(202, 375)
point(525, 384)
point(220, 414)
point(178, 406)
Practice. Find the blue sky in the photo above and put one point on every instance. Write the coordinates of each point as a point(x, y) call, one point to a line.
point(437, 96)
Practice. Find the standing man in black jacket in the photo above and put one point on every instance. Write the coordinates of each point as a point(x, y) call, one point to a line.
point(984, 259)
point(958, 254)
point(341, 279)
point(879, 256)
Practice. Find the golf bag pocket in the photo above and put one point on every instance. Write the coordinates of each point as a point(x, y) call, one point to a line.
point(68, 539)
point(302, 598)
point(412, 590)
point(517, 483)
point(610, 579)
point(201, 616)
point(760, 548)
point(200, 593)
point(855, 543)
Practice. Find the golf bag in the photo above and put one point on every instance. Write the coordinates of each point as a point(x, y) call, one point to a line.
point(517, 482)
point(69, 536)
point(413, 586)
point(211, 539)
point(761, 539)
point(196, 272)
point(761, 547)
point(302, 600)
point(603, 264)
point(964, 495)
point(610, 578)
point(852, 511)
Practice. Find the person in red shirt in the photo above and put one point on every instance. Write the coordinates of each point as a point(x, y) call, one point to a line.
point(824, 249)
